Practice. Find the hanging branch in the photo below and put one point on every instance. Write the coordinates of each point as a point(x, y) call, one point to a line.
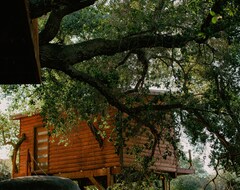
point(142, 58)
point(155, 143)
point(124, 60)
point(95, 133)
point(144, 61)
point(214, 178)
point(220, 136)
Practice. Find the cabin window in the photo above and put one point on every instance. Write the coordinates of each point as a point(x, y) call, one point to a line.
point(41, 149)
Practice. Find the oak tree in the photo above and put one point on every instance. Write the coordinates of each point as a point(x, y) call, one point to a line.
point(96, 53)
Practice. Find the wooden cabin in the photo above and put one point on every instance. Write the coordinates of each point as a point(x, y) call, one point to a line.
point(19, 55)
point(83, 159)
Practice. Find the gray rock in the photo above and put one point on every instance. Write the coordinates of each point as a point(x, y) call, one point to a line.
point(38, 183)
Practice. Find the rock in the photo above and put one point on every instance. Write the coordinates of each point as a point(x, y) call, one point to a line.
point(38, 183)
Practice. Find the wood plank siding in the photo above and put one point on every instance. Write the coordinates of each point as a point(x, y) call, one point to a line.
point(27, 126)
point(83, 157)
point(83, 151)
point(161, 164)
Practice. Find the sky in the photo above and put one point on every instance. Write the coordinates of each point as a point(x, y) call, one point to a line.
point(4, 153)
point(3, 105)
point(203, 157)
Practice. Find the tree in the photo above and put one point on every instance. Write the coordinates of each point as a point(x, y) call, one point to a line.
point(10, 136)
point(195, 181)
point(4, 169)
point(99, 53)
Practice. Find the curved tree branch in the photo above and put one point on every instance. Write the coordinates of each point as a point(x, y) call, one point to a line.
point(220, 136)
point(39, 8)
point(53, 54)
point(56, 56)
point(144, 61)
point(5, 142)
point(15, 151)
point(51, 28)
point(142, 58)
point(215, 177)
point(53, 24)
point(108, 94)
point(124, 60)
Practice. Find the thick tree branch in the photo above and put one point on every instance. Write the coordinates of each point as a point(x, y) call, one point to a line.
point(39, 8)
point(5, 142)
point(111, 98)
point(124, 60)
point(230, 149)
point(53, 54)
point(15, 151)
point(51, 28)
point(57, 56)
point(220, 136)
point(225, 98)
point(159, 107)
point(144, 61)
point(142, 58)
point(63, 8)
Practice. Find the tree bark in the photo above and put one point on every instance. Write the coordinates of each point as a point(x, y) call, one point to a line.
point(15, 152)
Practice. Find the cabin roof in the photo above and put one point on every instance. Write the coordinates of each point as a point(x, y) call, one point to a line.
point(22, 115)
point(156, 91)
point(19, 53)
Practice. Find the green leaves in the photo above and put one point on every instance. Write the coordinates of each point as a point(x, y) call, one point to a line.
point(202, 76)
point(9, 130)
point(215, 17)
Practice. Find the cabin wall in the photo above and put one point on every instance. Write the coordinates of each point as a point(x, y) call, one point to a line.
point(27, 125)
point(83, 156)
point(161, 164)
point(83, 152)
point(164, 157)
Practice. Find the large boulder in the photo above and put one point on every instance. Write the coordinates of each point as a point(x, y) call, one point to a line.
point(38, 183)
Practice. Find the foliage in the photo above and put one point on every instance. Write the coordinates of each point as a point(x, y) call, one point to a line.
point(202, 180)
point(9, 130)
point(131, 178)
point(223, 180)
point(96, 54)
point(4, 170)
point(188, 183)
point(194, 181)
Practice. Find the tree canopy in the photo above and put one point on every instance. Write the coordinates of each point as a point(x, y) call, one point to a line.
point(96, 53)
